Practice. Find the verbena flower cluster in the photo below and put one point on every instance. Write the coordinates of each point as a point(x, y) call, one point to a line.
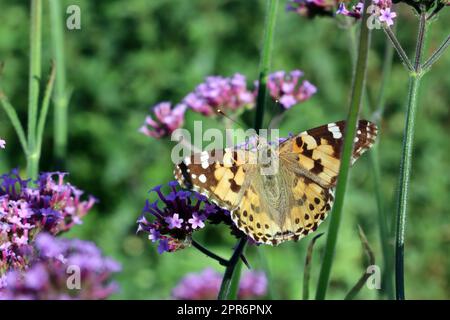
point(62, 269)
point(226, 94)
point(220, 93)
point(312, 8)
point(205, 285)
point(51, 205)
point(381, 8)
point(181, 213)
point(287, 89)
point(167, 120)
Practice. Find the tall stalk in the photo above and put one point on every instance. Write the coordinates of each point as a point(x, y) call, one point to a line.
point(33, 86)
point(406, 159)
point(266, 57)
point(383, 226)
point(350, 131)
point(61, 96)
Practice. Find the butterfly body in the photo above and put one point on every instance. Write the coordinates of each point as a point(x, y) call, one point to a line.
point(278, 193)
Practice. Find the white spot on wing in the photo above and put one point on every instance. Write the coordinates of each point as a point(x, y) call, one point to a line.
point(205, 164)
point(334, 129)
point(202, 178)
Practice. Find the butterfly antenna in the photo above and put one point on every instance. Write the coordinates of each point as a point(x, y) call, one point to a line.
point(220, 111)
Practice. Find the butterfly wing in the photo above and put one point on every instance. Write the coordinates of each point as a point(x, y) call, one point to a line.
point(316, 153)
point(220, 175)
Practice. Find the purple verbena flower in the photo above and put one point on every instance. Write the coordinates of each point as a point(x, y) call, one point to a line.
point(167, 120)
point(51, 206)
point(174, 222)
point(381, 8)
point(287, 89)
point(82, 273)
point(387, 16)
point(181, 213)
point(218, 92)
point(355, 12)
point(312, 8)
point(205, 285)
point(197, 221)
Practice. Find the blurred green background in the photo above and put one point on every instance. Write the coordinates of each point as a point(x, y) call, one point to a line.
point(132, 54)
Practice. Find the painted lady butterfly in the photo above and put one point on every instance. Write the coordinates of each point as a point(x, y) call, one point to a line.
point(283, 206)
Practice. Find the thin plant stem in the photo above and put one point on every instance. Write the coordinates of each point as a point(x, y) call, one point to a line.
point(34, 82)
point(17, 125)
point(224, 292)
point(365, 276)
point(202, 249)
point(398, 47)
point(266, 57)
point(307, 270)
point(383, 226)
point(385, 236)
point(44, 110)
point(420, 40)
point(436, 55)
point(61, 96)
point(347, 150)
point(235, 280)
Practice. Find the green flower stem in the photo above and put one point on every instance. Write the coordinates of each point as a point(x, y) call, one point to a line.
point(385, 235)
point(406, 160)
point(44, 110)
point(401, 53)
point(266, 57)
point(355, 103)
point(34, 81)
point(235, 280)
point(225, 288)
point(12, 115)
point(307, 269)
point(61, 96)
point(365, 276)
point(436, 55)
point(209, 253)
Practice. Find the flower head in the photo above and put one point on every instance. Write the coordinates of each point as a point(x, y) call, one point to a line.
point(355, 12)
point(218, 92)
point(381, 9)
point(205, 285)
point(2, 144)
point(52, 206)
point(312, 8)
point(167, 120)
point(181, 213)
point(387, 16)
point(48, 275)
point(287, 89)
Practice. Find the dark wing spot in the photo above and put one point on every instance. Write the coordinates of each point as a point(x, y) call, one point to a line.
point(186, 176)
